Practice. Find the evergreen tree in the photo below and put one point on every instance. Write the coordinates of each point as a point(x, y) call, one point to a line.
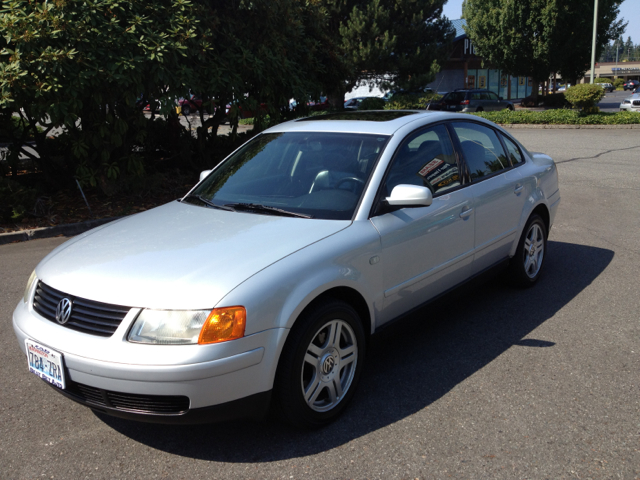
point(388, 43)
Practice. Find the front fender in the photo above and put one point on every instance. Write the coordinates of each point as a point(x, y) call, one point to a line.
point(275, 296)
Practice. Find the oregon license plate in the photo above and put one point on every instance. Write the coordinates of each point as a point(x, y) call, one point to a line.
point(45, 363)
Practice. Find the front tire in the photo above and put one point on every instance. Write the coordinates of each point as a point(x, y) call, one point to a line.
point(526, 265)
point(320, 365)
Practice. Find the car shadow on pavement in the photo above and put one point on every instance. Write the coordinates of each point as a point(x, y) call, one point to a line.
point(412, 365)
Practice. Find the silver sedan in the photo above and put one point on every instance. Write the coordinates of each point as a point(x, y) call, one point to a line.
point(261, 287)
point(631, 104)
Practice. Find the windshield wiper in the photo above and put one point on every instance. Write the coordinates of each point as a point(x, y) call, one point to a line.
point(208, 202)
point(254, 207)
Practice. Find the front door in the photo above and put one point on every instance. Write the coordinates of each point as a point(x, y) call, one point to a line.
point(425, 250)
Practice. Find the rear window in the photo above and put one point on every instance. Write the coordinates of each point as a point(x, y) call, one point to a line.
point(454, 97)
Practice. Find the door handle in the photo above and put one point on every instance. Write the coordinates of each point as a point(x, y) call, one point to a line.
point(466, 212)
point(518, 188)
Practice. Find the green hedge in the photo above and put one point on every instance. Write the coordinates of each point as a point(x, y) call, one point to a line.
point(408, 101)
point(560, 117)
point(372, 103)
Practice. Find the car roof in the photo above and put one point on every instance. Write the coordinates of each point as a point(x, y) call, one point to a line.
point(377, 122)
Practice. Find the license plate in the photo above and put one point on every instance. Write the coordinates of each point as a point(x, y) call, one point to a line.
point(45, 363)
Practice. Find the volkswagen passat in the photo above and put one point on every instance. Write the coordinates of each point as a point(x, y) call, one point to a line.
point(264, 283)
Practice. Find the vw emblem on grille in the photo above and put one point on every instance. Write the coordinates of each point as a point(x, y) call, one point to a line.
point(63, 312)
point(328, 364)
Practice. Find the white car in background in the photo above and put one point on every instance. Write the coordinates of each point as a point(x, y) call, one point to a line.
point(631, 104)
point(262, 285)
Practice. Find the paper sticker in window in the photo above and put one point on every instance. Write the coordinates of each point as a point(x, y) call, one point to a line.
point(433, 164)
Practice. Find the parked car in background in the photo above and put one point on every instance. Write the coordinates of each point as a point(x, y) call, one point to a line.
point(353, 103)
point(420, 92)
point(471, 101)
point(265, 282)
point(192, 104)
point(630, 85)
point(631, 104)
point(319, 105)
point(607, 87)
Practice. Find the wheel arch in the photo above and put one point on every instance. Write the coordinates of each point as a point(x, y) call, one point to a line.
point(543, 212)
point(351, 297)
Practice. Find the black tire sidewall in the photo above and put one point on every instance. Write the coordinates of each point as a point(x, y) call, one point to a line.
point(290, 403)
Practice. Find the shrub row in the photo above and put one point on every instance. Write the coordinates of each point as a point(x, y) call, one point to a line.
point(560, 117)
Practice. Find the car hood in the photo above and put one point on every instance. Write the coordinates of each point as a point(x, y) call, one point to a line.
point(177, 256)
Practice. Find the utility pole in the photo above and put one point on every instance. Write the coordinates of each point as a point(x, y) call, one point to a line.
point(593, 43)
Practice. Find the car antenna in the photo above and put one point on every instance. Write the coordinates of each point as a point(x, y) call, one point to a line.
point(436, 92)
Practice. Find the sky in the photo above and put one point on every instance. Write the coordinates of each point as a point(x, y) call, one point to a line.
point(629, 10)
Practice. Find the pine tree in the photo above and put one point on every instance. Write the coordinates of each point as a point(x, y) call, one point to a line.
point(389, 43)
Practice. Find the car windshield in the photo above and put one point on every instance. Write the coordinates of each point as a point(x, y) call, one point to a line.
point(317, 174)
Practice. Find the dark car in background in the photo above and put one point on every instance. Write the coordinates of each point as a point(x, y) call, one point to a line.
point(630, 85)
point(471, 101)
point(607, 87)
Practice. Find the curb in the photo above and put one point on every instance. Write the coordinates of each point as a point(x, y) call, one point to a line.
point(68, 229)
point(572, 127)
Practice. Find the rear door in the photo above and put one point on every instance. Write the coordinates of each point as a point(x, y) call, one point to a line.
point(497, 189)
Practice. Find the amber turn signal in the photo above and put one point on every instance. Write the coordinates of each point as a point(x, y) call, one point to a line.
point(223, 324)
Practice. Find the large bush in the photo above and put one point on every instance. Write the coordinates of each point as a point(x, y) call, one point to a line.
point(372, 103)
point(618, 82)
point(555, 100)
point(584, 96)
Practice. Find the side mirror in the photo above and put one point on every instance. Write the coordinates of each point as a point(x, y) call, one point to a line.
point(204, 173)
point(410, 196)
point(500, 98)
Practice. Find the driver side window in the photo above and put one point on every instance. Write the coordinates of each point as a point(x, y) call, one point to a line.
point(426, 159)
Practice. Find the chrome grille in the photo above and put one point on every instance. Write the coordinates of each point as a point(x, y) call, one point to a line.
point(87, 316)
point(636, 102)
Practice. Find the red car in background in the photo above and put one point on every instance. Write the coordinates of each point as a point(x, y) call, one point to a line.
point(321, 104)
point(193, 104)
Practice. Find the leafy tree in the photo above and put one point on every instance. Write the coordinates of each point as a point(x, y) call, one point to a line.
point(538, 37)
point(256, 56)
point(80, 65)
point(573, 35)
point(388, 43)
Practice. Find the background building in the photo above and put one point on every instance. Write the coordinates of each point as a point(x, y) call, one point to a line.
point(465, 69)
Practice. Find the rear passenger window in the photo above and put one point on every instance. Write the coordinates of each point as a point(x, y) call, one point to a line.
point(481, 148)
point(426, 159)
point(514, 152)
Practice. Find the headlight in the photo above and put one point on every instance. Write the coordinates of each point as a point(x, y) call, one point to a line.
point(27, 290)
point(180, 327)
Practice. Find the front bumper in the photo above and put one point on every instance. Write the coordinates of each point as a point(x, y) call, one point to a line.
point(215, 382)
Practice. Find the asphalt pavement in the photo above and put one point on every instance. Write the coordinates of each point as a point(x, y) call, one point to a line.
point(611, 101)
point(492, 383)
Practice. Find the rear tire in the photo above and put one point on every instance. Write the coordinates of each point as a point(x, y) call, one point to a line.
point(479, 109)
point(320, 365)
point(186, 110)
point(525, 267)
